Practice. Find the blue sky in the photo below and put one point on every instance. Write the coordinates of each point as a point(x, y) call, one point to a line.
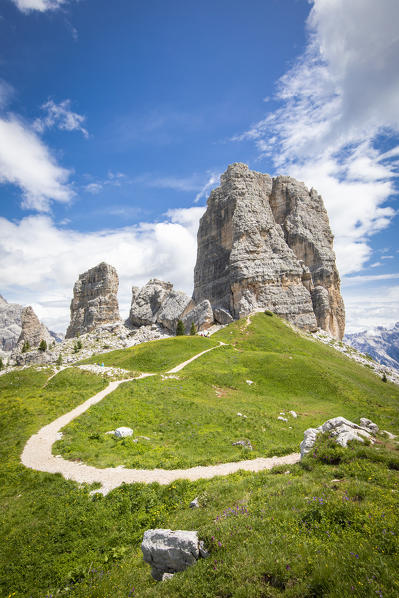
point(116, 120)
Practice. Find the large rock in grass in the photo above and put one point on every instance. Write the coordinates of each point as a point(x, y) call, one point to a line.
point(95, 300)
point(266, 243)
point(341, 430)
point(170, 551)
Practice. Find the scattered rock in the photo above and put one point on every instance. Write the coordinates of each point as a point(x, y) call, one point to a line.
point(123, 432)
point(244, 443)
point(170, 551)
point(249, 382)
point(283, 419)
point(94, 300)
point(241, 415)
point(339, 428)
point(293, 413)
point(389, 434)
point(369, 425)
point(167, 576)
point(194, 504)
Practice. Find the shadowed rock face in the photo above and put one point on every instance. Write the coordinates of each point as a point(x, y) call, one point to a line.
point(266, 243)
point(94, 300)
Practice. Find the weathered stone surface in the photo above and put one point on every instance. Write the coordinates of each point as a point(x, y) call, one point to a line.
point(170, 551)
point(201, 315)
point(222, 316)
point(266, 243)
point(157, 303)
point(94, 300)
point(32, 331)
point(172, 309)
point(123, 432)
point(147, 302)
point(10, 324)
point(341, 429)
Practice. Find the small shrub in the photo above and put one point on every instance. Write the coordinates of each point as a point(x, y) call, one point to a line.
point(180, 328)
point(59, 360)
point(25, 347)
point(193, 329)
point(384, 377)
point(43, 346)
point(1, 364)
point(268, 313)
point(77, 346)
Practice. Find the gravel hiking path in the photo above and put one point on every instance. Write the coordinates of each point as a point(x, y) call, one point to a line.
point(37, 453)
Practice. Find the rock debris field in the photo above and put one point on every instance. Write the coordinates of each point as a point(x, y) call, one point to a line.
point(37, 453)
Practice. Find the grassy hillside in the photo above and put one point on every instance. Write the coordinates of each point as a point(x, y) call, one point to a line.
point(155, 356)
point(329, 527)
point(193, 420)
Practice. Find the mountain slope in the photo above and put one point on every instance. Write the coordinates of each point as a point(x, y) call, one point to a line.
point(381, 343)
point(269, 534)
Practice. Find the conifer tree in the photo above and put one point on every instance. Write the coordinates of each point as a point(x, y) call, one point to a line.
point(43, 346)
point(180, 328)
point(193, 329)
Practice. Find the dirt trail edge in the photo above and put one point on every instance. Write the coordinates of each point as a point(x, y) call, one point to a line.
point(37, 453)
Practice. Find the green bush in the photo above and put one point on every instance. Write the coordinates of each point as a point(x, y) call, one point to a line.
point(25, 347)
point(43, 346)
point(1, 364)
point(59, 360)
point(268, 312)
point(77, 346)
point(193, 329)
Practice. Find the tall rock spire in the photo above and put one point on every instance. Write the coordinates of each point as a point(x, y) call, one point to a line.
point(266, 243)
point(94, 300)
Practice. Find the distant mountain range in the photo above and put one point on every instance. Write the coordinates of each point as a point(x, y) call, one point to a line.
point(381, 343)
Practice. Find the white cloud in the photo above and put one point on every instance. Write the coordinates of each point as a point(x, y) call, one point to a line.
point(26, 162)
point(370, 307)
point(6, 91)
point(210, 184)
point(60, 116)
point(115, 179)
point(31, 274)
point(334, 102)
point(40, 5)
point(350, 280)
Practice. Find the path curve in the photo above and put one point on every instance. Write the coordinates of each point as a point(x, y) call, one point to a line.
point(37, 453)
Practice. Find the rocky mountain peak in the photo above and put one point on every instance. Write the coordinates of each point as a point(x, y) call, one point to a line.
point(94, 300)
point(33, 331)
point(266, 243)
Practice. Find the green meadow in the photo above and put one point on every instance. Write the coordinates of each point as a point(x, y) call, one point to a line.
point(325, 527)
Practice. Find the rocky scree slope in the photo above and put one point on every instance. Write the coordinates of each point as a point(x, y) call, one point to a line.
point(266, 243)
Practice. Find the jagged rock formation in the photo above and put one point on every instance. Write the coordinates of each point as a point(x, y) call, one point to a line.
point(33, 331)
point(266, 243)
point(381, 343)
point(94, 300)
point(158, 303)
point(10, 324)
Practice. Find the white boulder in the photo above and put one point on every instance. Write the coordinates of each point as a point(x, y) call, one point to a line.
point(170, 551)
point(123, 432)
point(339, 428)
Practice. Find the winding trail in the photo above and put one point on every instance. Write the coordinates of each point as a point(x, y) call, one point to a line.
point(37, 453)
